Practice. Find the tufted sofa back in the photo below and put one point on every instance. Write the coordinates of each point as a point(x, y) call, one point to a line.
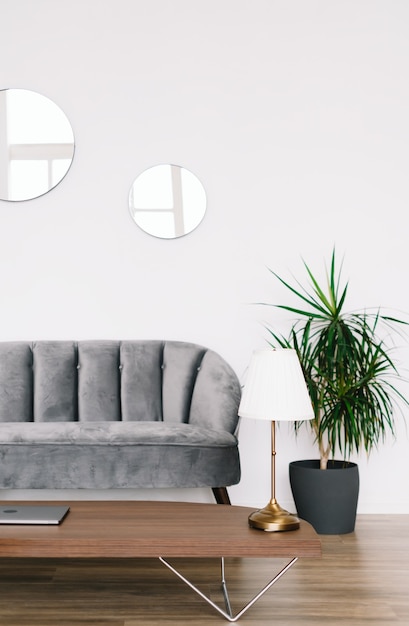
point(102, 380)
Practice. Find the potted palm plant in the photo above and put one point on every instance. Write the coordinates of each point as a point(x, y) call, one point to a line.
point(351, 376)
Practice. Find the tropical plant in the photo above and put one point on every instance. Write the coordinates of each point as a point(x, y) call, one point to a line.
point(347, 365)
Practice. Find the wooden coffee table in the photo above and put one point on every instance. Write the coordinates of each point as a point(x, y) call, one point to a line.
point(161, 530)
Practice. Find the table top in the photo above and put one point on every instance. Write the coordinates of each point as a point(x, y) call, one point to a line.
point(131, 529)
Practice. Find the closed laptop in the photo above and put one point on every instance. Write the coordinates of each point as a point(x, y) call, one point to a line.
point(32, 514)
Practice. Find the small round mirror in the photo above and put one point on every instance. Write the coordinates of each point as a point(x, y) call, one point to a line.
point(167, 201)
point(36, 144)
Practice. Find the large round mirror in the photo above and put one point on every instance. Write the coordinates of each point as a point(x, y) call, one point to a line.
point(36, 144)
point(167, 201)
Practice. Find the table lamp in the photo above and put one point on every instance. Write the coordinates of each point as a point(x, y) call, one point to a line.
point(275, 390)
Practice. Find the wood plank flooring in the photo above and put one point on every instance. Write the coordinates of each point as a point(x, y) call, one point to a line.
point(362, 578)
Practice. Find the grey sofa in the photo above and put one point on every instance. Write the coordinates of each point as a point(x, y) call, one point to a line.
point(117, 414)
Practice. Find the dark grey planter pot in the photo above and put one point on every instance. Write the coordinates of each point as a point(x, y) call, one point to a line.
point(327, 499)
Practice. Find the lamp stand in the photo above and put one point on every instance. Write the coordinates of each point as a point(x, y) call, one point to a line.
point(273, 517)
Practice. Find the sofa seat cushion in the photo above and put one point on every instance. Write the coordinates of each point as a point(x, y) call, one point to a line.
point(104, 455)
point(113, 433)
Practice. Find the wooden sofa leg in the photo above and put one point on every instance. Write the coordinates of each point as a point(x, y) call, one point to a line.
point(221, 495)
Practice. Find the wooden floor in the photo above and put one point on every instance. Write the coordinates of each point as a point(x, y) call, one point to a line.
point(363, 578)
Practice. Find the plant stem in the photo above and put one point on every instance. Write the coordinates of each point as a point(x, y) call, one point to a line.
point(324, 450)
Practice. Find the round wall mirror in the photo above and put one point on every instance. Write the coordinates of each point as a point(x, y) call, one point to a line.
point(167, 201)
point(36, 144)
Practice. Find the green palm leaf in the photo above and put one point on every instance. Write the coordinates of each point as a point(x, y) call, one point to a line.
point(348, 368)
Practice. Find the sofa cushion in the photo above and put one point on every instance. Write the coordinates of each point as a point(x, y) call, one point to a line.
point(113, 433)
point(55, 381)
point(16, 382)
point(98, 381)
point(116, 455)
point(141, 380)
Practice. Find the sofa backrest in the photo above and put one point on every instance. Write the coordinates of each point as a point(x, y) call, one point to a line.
point(102, 380)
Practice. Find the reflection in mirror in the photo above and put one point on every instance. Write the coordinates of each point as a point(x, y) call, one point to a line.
point(36, 144)
point(167, 201)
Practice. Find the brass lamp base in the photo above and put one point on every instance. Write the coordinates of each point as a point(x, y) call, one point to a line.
point(273, 518)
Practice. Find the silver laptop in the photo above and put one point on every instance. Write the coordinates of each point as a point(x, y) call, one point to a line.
point(32, 514)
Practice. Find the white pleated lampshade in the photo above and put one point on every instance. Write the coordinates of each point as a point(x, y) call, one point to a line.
point(275, 388)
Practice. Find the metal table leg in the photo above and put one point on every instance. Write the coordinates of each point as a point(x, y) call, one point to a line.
point(228, 614)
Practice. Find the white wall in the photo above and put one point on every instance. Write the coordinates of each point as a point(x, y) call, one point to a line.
point(294, 115)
